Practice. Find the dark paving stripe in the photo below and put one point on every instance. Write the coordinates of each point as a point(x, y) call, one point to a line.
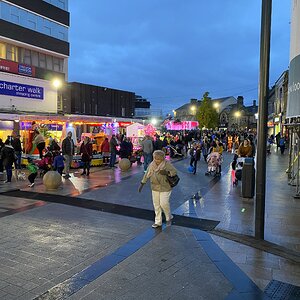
point(243, 287)
point(282, 291)
point(139, 213)
point(78, 281)
point(10, 212)
point(251, 241)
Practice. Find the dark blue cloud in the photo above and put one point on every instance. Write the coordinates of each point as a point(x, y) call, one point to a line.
point(174, 50)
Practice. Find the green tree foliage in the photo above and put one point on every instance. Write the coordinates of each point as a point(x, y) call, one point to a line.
point(207, 115)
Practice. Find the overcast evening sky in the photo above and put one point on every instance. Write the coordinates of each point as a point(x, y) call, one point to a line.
point(169, 51)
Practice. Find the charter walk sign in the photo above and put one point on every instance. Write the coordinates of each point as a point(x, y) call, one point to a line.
point(21, 90)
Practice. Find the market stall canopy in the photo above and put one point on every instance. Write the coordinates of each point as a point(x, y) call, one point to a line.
point(135, 130)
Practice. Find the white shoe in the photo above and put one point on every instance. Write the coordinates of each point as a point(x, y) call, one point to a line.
point(31, 184)
point(7, 181)
point(169, 223)
point(155, 225)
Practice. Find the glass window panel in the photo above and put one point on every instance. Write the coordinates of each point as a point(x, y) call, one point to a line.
point(15, 19)
point(2, 50)
point(42, 60)
point(11, 52)
point(49, 62)
point(56, 65)
point(35, 58)
point(25, 56)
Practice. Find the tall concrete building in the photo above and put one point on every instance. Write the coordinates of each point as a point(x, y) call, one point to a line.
point(34, 51)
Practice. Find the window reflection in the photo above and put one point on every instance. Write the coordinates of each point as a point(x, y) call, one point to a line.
point(33, 21)
point(31, 57)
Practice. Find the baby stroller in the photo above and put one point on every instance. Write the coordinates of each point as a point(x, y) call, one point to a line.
point(237, 167)
point(214, 161)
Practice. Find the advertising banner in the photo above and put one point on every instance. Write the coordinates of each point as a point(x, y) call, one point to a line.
point(21, 90)
point(293, 103)
point(13, 67)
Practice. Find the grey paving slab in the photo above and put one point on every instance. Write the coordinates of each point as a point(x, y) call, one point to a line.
point(61, 240)
point(171, 263)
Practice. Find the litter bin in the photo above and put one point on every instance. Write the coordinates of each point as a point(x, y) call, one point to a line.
point(248, 178)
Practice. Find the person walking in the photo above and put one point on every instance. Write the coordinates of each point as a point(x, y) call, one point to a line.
point(105, 151)
point(33, 170)
point(68, 150)
point(282, 144)
point(8, 157)
point(86, 151)
point(161, 189)
point(147, 147)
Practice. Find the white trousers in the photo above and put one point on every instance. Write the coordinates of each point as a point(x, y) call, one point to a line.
point(161, 203)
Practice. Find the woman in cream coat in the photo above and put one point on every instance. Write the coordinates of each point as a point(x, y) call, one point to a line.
point(161, 189)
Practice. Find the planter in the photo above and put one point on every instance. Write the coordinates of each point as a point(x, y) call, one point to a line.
point(124, 164)
point(52, 180)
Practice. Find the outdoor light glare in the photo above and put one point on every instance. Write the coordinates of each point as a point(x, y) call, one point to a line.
point(154, 121)
point(256, 116)
point(216, 105)
point(57, 83)
point(193, 108)
point(237, 114)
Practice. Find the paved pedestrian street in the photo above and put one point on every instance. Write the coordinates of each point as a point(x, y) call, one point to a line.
point(92, 238)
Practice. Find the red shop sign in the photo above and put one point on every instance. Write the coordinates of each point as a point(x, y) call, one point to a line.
point(13, 67)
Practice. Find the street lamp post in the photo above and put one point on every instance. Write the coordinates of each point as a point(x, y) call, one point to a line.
point(262, 119)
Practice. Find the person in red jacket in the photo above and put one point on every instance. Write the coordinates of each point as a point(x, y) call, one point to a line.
point(105, 151)
point(86, 151)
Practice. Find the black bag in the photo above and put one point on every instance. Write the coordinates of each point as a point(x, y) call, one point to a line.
point(173, 180)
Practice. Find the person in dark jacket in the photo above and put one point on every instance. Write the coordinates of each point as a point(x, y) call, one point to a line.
point(113, 143)
point(16, 143)
point(86, 151)
point(68, 150)
point(8, 158)
point(1, 160)
point(195, 154)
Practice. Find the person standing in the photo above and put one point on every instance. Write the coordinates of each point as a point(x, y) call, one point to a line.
point(147, 147)
point(39, 141)
point(1, 160)
point(58, 163)
point(113, 143)
point(161, 189)
point(105, 151)
point(195, 154)
point(245, 149)
point(16, 143)
point(8, 158)
point(86, 151)
point(68, 150)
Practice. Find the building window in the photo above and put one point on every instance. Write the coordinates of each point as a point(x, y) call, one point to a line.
point(25, 56)
point(56, 64)
point(49, 62)
point(34, 58)
point(12, 52)
point(2, 50)
point(42, 60)
point(32, 24)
